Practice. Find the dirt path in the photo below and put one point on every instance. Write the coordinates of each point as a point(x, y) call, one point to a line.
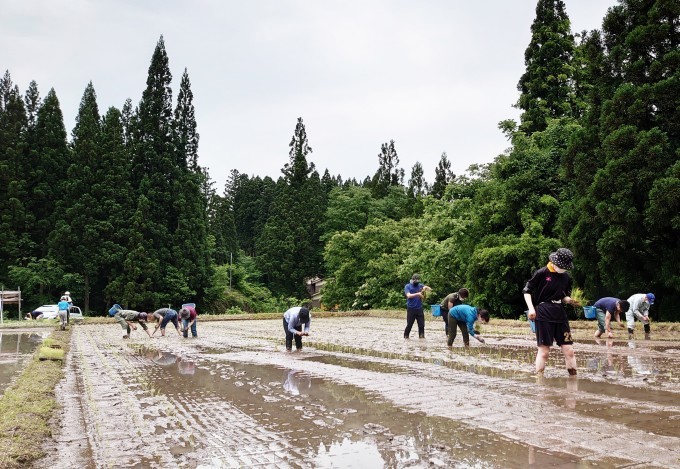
point(360, 396)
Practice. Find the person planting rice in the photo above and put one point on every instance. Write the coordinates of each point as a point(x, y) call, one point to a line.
point(607, 308)
point(127, 319)
point(293, 319)
point(549, 288)
point(162, 317)
point(415, 293)
point(465, 316)
point(639, 308)
point(451, 300)
point(188, 315)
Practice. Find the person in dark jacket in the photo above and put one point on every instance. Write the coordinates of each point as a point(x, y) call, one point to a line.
point(451, 300)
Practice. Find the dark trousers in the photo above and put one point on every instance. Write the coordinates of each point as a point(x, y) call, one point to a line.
point(290, 336)
point(413, 315)
point(462, 325)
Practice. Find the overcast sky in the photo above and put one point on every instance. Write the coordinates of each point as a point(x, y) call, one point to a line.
point(433, 75)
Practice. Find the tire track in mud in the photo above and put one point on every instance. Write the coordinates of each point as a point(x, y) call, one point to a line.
point(186, 428)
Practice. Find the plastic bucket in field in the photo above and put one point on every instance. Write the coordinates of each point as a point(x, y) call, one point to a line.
point(193, 305)
point(436, 310)
point(114, 309)
point(532, 323)
point(590, 312)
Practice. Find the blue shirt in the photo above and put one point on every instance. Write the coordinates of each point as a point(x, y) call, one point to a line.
point(607, 304)
point(416, 302)
point(467, 314)
point(292, 317)
point(63, 305)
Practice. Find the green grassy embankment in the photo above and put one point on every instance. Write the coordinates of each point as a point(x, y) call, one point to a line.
point(29, 403)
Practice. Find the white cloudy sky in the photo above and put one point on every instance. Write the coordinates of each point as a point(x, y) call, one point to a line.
point(434, 75)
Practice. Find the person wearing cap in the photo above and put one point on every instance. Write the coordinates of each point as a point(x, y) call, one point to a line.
point(607, 308)
point(451, 300)
point(293, 320)
point(162, 317)
point(549, 288)
point(63, 312)
point(188, 316)
point(639, 308)
point(415, 293)
point(465, 316)
point(127, 319)
point(67, 295)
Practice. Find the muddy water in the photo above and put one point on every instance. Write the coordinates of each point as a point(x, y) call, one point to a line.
point(326, 424)
point(15, 349)
point(234, 398)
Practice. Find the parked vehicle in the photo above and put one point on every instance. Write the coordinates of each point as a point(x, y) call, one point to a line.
point(52, 311)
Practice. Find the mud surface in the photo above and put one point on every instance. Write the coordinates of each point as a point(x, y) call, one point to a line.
point(359, 395)
point(15, 349)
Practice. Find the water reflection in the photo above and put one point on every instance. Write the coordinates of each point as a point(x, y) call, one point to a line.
point(296, 383)
point(186, 367)
point(15, 350)
point(348, 453)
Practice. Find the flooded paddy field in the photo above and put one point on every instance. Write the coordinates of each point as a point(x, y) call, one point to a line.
point(15, 349)
point(359, 395)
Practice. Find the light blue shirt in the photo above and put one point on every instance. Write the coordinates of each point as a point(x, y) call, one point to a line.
point(467, 314)
point(63, 305)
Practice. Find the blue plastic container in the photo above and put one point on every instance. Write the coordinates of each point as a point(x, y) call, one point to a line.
point(590, 312)
point(532, 323)
point(114, 309)
point(436, 310)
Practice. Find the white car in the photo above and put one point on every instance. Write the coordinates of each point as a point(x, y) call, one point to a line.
point(52, 311)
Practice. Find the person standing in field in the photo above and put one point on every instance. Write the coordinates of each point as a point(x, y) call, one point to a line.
point(607, 308)
point(639, 308)
point(127, 319)
point(549, 288)
point(415, 293)
point(293, 320)
point(451, 300)
point(63, 306)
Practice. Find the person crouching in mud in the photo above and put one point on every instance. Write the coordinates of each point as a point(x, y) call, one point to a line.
point(549, 288)
point(126, 318)
point(293, 319)
point(164, 316)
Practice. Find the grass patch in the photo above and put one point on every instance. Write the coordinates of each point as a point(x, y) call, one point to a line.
point(49, 353)
point(27, 406)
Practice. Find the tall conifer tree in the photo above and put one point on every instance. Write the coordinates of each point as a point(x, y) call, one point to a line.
point(546, 87)
point(13, 123)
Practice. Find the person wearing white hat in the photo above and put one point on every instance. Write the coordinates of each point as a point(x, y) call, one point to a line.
point(549, 288)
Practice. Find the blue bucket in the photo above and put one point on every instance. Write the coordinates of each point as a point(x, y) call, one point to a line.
point(590, 312)
point(436, 310)
point(114, 309)
point(532, 323)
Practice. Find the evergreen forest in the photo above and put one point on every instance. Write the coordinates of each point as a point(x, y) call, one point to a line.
point(121, 211)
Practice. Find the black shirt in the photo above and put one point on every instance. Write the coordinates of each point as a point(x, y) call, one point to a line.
point(546, 287)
